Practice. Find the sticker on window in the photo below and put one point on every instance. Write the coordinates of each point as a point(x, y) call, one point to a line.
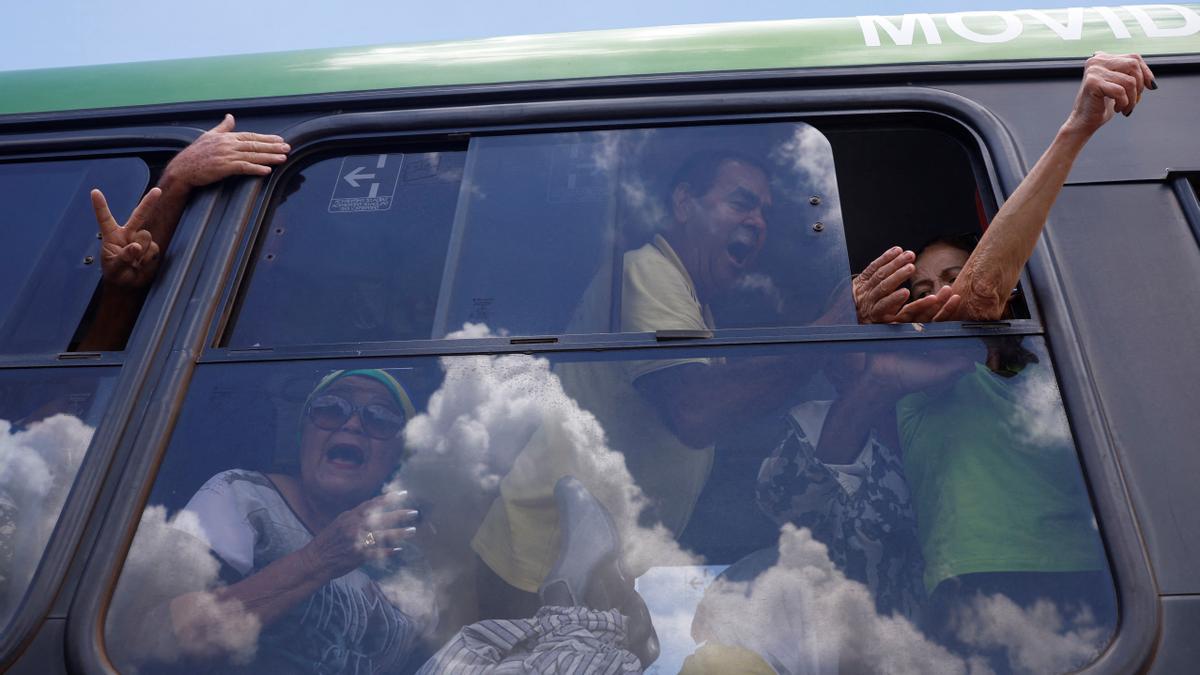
point(366, 183)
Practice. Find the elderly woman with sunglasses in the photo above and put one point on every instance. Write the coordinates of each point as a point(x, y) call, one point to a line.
point(305, 554)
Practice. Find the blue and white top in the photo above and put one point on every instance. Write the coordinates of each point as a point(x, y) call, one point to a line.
point(349, 625)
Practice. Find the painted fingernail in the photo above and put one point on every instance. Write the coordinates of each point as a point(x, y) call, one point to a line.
point(410, 530)
point(1153, 85)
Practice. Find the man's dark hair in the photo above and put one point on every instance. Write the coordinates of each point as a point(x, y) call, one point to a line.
point(699, 171)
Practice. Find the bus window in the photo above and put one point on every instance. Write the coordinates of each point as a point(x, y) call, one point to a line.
point(47, 418)
point(915, 501)
point(352, 251)
point(49, 261)
point(537, 235)
point(908, 186)
point(558, 227)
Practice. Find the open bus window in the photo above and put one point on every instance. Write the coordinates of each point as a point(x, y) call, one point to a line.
point(46, 423)
point(842, 520)
point(49, 261)
point(909, 186)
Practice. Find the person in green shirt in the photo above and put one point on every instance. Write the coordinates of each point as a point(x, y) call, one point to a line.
point(1000, 504)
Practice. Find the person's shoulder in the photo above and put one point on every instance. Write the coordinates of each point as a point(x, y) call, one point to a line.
point(237, 481)
point(645, 256)
point(651, 268)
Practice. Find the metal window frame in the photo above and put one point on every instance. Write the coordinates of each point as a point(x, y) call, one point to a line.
point(1132, 645)
point(1188, 194)
point(314, 137)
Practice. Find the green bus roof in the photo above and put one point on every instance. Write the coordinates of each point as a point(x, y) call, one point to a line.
point(810, 43)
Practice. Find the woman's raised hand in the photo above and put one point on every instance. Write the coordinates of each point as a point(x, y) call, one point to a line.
point(371, 531)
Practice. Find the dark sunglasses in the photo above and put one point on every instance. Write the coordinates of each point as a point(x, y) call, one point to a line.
point(330, 411)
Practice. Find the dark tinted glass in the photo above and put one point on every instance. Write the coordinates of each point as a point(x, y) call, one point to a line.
point(352, 252)
point(812, 507)
point(49, 252)
point(47, 418)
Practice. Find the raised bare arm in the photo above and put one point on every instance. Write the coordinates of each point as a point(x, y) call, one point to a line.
point(1111, 84)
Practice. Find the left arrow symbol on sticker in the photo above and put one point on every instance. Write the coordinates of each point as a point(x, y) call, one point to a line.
point(356, 175)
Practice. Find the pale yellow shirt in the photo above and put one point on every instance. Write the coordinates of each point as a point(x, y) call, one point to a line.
point(519, 537)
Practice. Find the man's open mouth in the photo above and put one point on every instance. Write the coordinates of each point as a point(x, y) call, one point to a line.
point(345, 455)
point(742, 244)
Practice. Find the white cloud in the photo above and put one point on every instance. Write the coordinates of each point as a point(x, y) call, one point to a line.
point(37, 468)
point(1039, 415)
point(808, 154)
point(1037, 639)
point(804, 614)
point(763, 284)
point(487, 409)
point(619, 154)
point(415, 594)
point(168, 559)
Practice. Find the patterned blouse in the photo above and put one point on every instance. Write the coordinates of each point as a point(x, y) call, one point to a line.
point(347, 626)
point(861, 511)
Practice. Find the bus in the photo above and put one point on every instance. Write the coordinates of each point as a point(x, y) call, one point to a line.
point(461, 238)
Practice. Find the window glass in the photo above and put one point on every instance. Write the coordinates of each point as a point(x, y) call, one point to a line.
point(353, 251)
point(49, 260)
point(543, 233)
point(806, 507)
point(46, 423)
point(556, 228)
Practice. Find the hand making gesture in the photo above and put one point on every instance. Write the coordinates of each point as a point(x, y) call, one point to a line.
point(129, 256)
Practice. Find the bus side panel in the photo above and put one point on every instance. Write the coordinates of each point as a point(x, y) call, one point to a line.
point(1160, 134)
point(1180, 651)
point(1131, 274)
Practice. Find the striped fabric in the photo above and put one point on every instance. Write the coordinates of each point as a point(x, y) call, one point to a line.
point(560, 640)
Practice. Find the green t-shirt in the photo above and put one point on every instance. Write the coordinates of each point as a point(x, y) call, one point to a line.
point(995, 478)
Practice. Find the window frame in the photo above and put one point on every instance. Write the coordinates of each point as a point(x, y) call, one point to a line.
point(349, 132)
point(1186, 183)
point(995, 153)
point(50, 576)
